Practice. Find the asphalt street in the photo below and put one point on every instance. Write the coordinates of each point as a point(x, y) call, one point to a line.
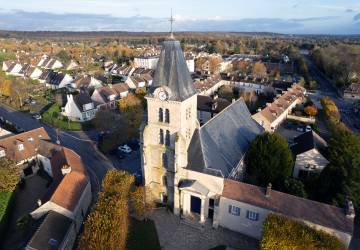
point(325, 88)
point(83, 143)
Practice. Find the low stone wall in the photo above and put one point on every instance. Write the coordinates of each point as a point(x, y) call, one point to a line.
point(309, 120)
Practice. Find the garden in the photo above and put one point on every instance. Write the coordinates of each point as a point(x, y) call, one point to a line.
point(54, 118)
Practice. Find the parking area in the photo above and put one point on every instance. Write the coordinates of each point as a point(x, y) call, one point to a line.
point(130, 163)
point(291, 129)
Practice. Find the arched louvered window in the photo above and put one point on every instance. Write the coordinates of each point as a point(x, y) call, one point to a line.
point(167, 138)
point(165, 160)
point(161, 115)
point(167, 116)
point(161, 136)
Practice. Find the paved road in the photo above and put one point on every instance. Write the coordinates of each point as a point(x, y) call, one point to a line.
point(325, 88)
point(82, 143)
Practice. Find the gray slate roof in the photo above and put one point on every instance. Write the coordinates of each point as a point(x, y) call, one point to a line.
point(218, 146)
point(51, 233)
point(173, 72)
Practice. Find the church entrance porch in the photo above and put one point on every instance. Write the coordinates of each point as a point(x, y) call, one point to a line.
point(193, 197)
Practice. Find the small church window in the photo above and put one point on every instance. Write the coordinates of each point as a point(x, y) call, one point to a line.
point(161, 115)
point(167, 116)
point(167, 138)
point(161, 135)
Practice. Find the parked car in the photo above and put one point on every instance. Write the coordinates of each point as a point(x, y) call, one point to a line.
point(33, 102)
point(308, 128)
point(125, 148)
point(37, 116)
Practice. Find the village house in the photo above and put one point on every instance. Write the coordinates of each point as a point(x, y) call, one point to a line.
point(307, 149)
point(107, 97)
point(352, 93)
point(135, 82)
point(197, 169)
point(210, 85)
point(33, 72)
point(66, 203)
point(275, 113)
point(146, 61)
point(86, 81)
point(79, 107)
point(209, 106)
point(22, 149)
point(56, 80)
point(12, 68)
point(72, 65)
point(49, 63)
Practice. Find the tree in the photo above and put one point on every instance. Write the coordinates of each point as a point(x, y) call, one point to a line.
point(141, 202)
point(9, 175)
point(280, 232)
point(226, 92)
point(5, 87)
point(268, 160)
point(132, 110)
point(341, 178)
point(294, 187)
point(108, 121)
point(214, 64)
point(107, 225)
point(259, 70)
point(311, 111)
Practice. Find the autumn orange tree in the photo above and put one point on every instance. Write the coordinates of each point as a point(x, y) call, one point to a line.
point(259, 70)
point(107, 225)
point(132, 110)
point(141, 202)
point(311, 111)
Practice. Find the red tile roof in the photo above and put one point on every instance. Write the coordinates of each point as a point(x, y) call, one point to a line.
point(289, 205)
point(72, 185)
point(30, 141)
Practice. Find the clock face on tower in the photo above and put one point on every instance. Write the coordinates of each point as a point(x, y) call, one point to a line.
point(163, 96)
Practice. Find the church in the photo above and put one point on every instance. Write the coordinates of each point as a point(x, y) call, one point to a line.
point(197, 169)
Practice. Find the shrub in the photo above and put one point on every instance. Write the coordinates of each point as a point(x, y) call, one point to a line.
point(281, 233)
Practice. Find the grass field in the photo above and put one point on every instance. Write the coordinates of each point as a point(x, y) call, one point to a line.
point(142, 235)
point(53, 117)
point(4, 201)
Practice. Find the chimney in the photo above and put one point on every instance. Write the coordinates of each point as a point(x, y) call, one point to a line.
point(268, 190)
point(349, 209)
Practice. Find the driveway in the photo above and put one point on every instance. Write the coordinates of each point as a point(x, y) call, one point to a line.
point(25, 202)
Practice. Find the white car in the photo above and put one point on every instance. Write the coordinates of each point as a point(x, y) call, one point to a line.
point(125, 148)
point(37, 116)
point(308, 128)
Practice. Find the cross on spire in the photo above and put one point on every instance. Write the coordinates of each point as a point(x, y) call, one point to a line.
point(171, 20)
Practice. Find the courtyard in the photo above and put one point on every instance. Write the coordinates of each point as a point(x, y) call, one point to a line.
point(174, 234)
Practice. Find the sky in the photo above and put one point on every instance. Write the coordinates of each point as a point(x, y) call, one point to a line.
point(282, 16)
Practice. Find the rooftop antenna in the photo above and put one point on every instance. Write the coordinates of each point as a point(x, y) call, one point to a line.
point(171, 20)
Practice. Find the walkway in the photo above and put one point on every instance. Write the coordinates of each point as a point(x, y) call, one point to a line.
point(174, 235)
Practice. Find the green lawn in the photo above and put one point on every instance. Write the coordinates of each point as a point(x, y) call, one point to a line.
point(4, 201)
point(142, 235)
point(7, 56)
point(53, 117)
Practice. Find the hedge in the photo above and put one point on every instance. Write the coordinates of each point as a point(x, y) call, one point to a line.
point(6, 202)
point(281, 233)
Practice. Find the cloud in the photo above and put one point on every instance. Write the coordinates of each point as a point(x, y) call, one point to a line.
point(310, 19)
point(45, 21)
point(357, 17)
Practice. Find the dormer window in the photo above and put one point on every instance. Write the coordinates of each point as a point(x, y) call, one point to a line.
point(21, 147)
point(2, 153)
point(30, 139)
